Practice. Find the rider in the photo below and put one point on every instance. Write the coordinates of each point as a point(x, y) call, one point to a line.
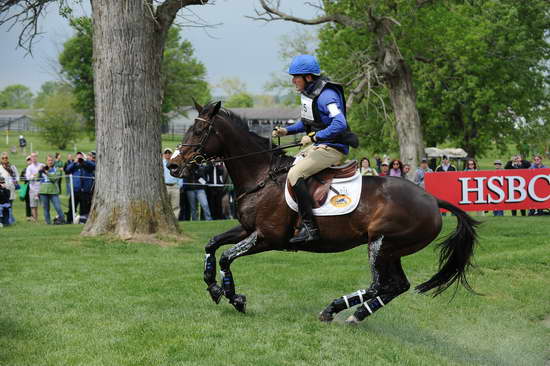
point(323, 118)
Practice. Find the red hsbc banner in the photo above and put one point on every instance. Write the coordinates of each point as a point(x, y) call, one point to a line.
point(490, 190)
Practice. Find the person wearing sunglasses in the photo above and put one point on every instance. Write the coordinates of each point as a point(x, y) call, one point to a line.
point(471, 166)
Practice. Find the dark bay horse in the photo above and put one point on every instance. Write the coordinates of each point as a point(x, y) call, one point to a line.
point(394, 217)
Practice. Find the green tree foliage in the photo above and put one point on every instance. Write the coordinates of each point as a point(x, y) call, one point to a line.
point(76, 65)
point(50, 88)
point(484, 80)
point(235, 91)
point(15, 96)
point(477, 68)
point(59, 123)
point(183, 76)
point(239, 100)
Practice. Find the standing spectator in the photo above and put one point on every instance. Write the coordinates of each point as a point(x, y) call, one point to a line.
point(22, 143)
point(173, 185)
point(516, 162)
point(365, 169)
point(471, 165)
point(59, 165)
point(83, 172)
point(537, 164)
point(32, 177)
point(67, 181)
point(384, 169)
point(406, 171)
point(10, 174)
point(24, 180)
point(4, 203)
point(49, 190)
point(421, 173)
point(498, 166)
point(446, 165)
point(378, 162)
point(195, 191)
point(396, 168)
point(215, 190)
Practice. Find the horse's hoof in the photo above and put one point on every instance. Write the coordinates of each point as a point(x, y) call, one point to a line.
point(239, 302)
point(216, 292)
point(352, 320)
point(325, 317)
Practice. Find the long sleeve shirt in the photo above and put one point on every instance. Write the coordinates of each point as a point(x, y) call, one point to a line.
point(330, 106)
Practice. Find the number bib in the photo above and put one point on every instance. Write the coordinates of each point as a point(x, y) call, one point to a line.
point(307, 108)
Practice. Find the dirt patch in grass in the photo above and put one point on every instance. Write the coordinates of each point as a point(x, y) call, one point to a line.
point(546, 321)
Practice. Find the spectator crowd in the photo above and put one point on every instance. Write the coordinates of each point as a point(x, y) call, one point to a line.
point(395, 168)
point(207, 194)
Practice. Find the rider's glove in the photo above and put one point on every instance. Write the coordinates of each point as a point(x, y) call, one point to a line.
point(279, 131)
point(308, 139)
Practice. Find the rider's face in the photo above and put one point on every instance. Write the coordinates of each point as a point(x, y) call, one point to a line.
point(300, 81)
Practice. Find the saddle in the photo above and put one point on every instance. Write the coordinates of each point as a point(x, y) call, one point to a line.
point(319, 184)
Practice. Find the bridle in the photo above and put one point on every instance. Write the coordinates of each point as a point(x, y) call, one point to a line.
point(199, 156)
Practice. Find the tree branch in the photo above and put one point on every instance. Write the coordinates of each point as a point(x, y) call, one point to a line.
point(167, 11)
point(26, 12)
point(274, 13)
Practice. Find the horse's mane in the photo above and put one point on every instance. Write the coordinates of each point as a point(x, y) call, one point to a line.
point(261, 142)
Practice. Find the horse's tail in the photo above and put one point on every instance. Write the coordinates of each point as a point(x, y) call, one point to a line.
point(456, 252)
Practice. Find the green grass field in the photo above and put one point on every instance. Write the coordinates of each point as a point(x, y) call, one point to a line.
point(69, 300)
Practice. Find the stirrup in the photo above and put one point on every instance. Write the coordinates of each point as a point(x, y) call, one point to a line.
point(305, 235)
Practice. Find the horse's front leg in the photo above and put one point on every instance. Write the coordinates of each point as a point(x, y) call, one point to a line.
point(251, 245)
point(232, 236)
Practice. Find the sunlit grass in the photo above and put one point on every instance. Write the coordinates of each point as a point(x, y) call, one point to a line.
point(67, 300)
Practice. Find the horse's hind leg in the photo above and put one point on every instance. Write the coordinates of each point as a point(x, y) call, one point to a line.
point(391, 282)
point(229, 237)
point(388, 282)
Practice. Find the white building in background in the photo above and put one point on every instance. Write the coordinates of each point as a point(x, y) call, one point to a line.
point(260, 120)
point(16, 120)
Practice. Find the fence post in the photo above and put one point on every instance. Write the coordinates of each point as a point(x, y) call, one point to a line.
point(72, 198)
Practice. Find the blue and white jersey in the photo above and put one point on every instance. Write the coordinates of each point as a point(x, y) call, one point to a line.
point(330, 107)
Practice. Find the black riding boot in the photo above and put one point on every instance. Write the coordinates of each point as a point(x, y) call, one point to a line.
point(309, 231)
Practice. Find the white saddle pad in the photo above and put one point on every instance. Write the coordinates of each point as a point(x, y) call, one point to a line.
point(346, 201)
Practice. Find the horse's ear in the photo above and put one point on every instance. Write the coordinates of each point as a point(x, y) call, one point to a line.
point(198, 107)
point(215, 110)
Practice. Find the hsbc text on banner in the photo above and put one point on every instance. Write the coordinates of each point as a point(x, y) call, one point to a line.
point(492, 189)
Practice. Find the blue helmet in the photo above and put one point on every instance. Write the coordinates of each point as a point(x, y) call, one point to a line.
point(304, 64)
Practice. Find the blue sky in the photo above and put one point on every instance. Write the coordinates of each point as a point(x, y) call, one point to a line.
point(239, 47)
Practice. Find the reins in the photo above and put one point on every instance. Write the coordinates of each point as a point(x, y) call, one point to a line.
point(218, 160)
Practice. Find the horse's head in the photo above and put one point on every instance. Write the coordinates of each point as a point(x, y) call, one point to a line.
point(199, 143)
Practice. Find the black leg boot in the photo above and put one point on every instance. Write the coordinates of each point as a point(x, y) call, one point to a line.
point(309, 231)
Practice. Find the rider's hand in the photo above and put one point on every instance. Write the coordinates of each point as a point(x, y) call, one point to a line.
point(306, 140)
point(279, 131)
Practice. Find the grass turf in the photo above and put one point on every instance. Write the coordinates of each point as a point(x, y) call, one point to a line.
point(68, 300)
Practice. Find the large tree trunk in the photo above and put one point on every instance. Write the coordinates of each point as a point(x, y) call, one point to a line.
point(130, 198)
point(409, 131)
point(398, 76)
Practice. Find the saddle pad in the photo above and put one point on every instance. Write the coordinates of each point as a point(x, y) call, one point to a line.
point(344, 203)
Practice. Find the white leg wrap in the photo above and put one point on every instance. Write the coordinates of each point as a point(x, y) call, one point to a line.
point(346, 301)
point(360, 293)
point(367, 307)
point(380, 300)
